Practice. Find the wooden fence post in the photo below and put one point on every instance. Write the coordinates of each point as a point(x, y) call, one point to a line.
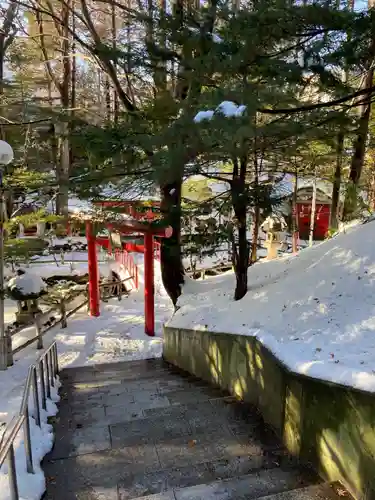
point(64, 323)
point(38, 328)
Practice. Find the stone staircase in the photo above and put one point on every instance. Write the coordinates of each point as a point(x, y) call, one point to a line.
point(143, 430)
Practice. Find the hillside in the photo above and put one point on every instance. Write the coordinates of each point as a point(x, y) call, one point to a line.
point(315, 311)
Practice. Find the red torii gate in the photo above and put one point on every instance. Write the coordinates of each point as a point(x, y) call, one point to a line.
point(132, 226)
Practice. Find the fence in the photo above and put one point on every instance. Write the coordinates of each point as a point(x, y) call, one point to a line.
point(40, 379)
point(127, 260)
point(107, 290)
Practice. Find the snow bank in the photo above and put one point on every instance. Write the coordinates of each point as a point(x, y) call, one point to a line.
point(30, 486)
point(75, 263)
point(315, 311)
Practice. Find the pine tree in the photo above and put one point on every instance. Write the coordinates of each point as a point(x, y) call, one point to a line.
point(194, 57)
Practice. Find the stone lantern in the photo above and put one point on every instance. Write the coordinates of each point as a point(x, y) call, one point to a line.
point(26, 289)
point(274, 227)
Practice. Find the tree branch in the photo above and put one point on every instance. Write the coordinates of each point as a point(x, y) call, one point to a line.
point(311, 107)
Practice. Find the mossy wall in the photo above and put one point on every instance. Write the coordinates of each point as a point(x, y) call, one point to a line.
point(330, 426)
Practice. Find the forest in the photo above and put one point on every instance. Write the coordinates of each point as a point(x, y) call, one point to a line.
point(124, 98)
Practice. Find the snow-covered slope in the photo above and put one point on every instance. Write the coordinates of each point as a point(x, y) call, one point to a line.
point(315, 311)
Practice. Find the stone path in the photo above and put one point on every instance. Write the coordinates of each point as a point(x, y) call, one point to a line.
point(141, 430)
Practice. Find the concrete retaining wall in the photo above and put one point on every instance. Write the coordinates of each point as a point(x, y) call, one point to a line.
point(328, 425)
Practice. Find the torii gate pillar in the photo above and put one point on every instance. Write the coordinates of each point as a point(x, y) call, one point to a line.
point(94, 299)
point(149, 284)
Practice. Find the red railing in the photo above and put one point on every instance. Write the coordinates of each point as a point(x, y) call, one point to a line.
point(133, 247)
point(157, 248)
point(126, 259)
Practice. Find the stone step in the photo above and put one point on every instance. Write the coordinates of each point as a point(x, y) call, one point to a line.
point(126, 370)
point(260, 483)
point(169, 479)
point(324, 491)
point(109, 471)
point(143, 431)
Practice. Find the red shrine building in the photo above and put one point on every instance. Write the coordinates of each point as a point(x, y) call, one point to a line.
point(322, 210)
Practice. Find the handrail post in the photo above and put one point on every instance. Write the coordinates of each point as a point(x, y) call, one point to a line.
point(56, 359)
point(48, 378)
point(51, 368)
point(39, 334)
point(64, 323)
point(36, 398)
point(27, 438)
point(12, 474)
point(42, 384)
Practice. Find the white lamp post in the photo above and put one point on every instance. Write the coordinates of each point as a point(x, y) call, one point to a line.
point(6, 358)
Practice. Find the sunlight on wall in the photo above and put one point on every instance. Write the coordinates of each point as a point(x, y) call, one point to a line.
point(240, 387)
point(293, 422)
point(216, 361)
point(334, 459)
point(259, 369)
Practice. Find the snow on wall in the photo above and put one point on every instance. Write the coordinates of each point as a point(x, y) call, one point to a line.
point(315, 311)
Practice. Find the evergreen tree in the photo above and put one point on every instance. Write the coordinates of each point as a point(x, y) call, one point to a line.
point(191, 58)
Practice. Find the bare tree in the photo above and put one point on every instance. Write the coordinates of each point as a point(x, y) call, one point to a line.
point(7, 34)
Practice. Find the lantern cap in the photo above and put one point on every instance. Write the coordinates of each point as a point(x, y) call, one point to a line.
point(6, 153)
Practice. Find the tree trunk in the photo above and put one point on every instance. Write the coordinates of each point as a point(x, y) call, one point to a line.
point(254, 243)
point(114, 48)
point(242, 256)
point(295, 217)
point(62, 171)
point(107, 87)
point(358, 158)
point(170, 256)
point(2, 58)
point(312, 215)
point(7, 34)
point(371, 189)
point(241, 250)
point(334, 216)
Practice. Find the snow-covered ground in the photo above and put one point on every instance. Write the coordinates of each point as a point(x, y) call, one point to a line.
point(315, 311)
point(74, 263)
point(117, 335)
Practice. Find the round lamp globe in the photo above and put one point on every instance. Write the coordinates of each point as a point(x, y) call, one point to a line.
point(6, 153)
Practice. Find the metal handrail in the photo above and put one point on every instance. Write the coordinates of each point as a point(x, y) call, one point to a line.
point(47, 368)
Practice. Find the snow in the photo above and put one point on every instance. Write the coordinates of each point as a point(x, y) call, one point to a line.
point(74, 263)
point(27, 283)
point(273, 222)
point(216, 38)
point(203, 115)
point(116, 335)
point(230, 109)
point(314, 311)
point(227, 108)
